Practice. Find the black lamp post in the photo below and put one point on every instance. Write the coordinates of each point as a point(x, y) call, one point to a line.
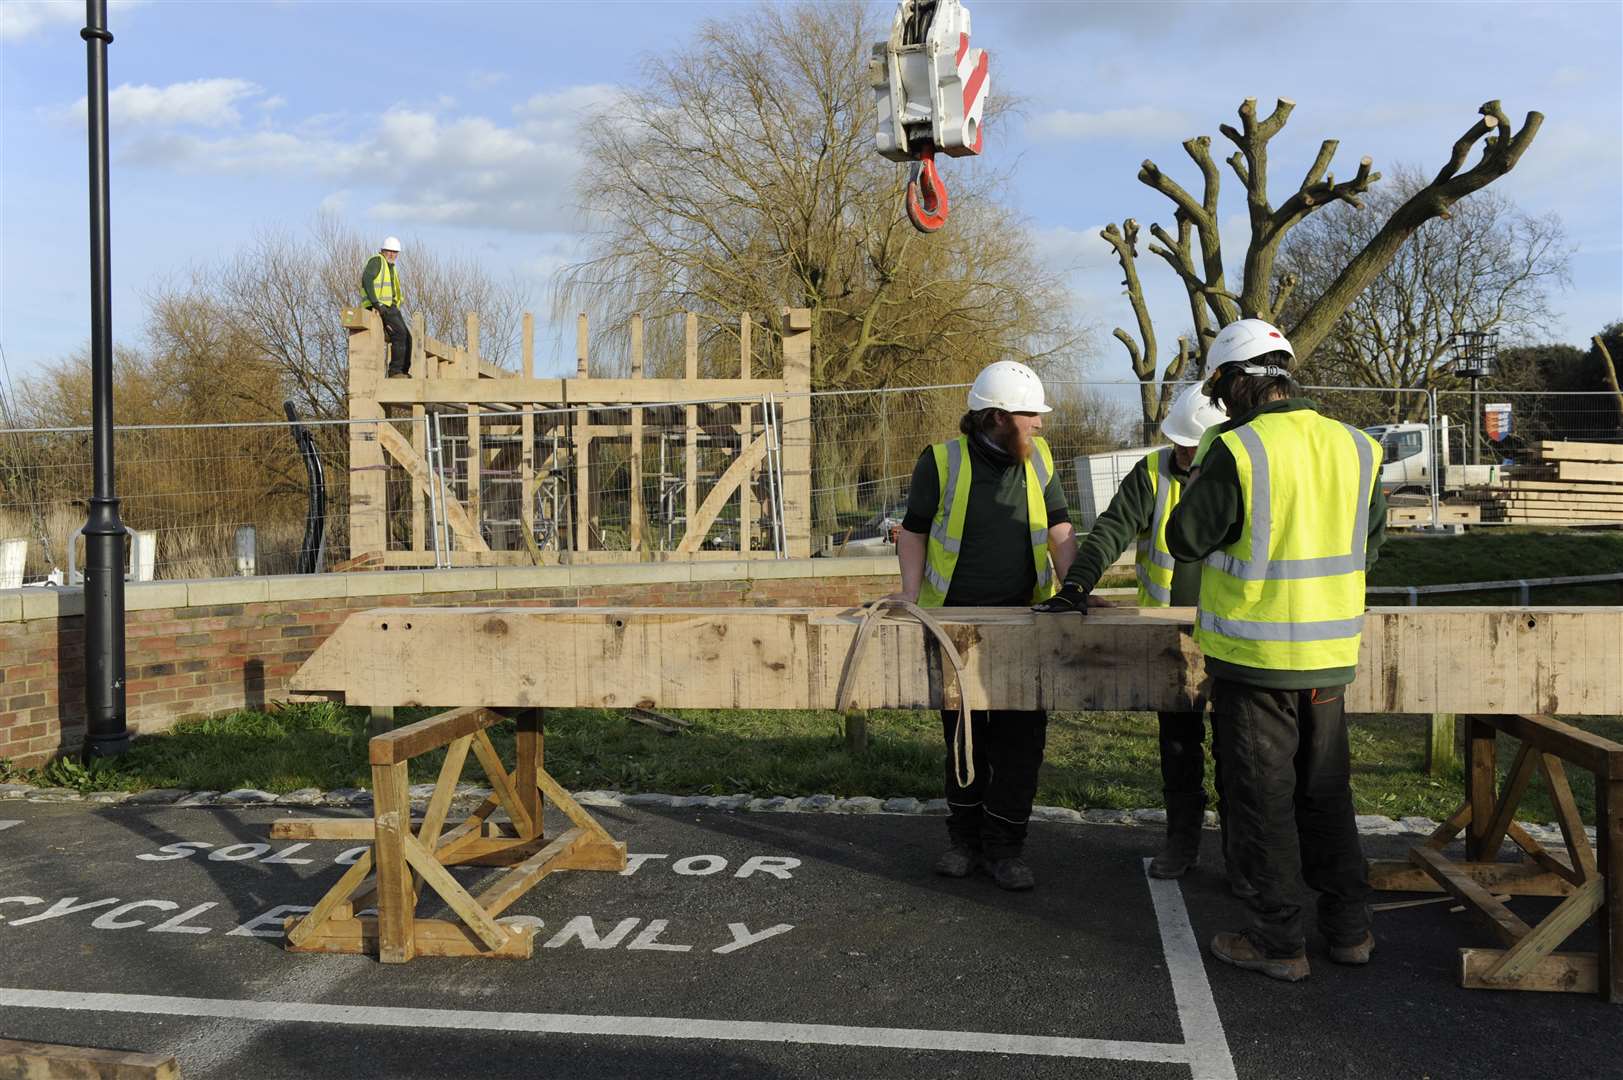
point(106, 734)
point(1476, 352)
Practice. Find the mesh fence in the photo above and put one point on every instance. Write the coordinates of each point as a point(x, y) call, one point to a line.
point(195, 486)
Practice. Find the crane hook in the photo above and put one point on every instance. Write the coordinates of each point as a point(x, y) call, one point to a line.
point(926, 194)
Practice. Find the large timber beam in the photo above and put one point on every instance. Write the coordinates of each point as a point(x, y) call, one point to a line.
point(1415, 660)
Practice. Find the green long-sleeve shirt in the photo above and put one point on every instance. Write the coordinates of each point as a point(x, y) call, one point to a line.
point(1130, 514)
point(369, 278)
point(1211, 515)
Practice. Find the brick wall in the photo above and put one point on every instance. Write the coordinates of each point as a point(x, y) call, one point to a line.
point(201, 647)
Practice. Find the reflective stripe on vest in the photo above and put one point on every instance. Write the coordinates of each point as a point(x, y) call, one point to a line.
point(1289, 594)
point(946, 535)
point(386, 286)
point(1155, 563)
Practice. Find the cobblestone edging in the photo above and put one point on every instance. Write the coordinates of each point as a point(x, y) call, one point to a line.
point(1368, 824)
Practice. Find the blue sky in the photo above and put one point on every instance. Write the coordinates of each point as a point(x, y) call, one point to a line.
point(229, 117)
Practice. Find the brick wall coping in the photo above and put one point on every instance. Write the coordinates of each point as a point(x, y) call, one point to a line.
point(22, 605)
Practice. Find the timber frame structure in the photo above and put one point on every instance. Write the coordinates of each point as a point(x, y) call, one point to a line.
point(1508, 669)
point(525, 436)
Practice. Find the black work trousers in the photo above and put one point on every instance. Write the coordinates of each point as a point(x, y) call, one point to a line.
point(991, 813)
point(399, 335)
point(1289, 808)
point(1183, 760)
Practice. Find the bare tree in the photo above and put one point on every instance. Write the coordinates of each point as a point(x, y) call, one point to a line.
point(1485, 266)
point(1194, 248)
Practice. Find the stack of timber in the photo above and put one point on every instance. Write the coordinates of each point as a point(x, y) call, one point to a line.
point(1573, 483)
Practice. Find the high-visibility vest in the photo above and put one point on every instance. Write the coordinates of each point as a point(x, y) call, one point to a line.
point(1155, 562)
point(1289, 593)
point(952, 466)
point(386, 287)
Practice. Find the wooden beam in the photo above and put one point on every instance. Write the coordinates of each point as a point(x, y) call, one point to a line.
point(430, 937)
point(636, 438)
point(396, 901)
point(429, 733)
point(1507, 878)
point(49, 1061)
point(622, 393)
point(690, 444)
point(461, 524)
point(796, 432)
point(733, 479)
point(1572, 973)
point(790, 658)
point(1478, 901)
point(1550, 932)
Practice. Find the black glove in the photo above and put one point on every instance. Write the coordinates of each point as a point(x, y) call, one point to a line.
point(1069, 598)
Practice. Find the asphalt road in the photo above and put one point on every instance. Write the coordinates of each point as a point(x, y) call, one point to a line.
point(751, 945)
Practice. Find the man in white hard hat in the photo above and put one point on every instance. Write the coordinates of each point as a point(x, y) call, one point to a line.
point(1138, 514)
point(1287, 514)
point(986, 515)
point(380, 291)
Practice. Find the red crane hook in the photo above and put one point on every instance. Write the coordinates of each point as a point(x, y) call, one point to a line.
point(926, 194)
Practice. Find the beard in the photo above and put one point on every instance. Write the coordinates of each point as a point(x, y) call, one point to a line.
point(1016, 443)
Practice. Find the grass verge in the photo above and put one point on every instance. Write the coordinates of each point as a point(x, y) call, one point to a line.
point(1106, 760)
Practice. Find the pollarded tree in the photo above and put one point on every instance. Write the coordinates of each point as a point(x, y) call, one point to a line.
point(1193, 248)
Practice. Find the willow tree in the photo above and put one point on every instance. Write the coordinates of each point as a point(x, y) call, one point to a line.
point(740, 175)
point(1193, 249)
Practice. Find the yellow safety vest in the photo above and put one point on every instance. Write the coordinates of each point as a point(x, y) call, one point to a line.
point(1289, 593)
point(1155, 562)
point(386, 287)
point(947, 530)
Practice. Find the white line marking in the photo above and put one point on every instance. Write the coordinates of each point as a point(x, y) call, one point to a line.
point(283, 1012)
point(4, 825)
point(1204, 1042)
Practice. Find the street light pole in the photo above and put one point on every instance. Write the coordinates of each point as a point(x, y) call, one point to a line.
point(106, 734)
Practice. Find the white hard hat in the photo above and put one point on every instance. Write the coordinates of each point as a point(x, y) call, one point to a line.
point(1008, 385)
point(1191, 414)
point(1247, 339)
point(390, 243)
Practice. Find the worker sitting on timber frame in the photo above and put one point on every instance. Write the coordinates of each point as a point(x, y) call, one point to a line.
point(1287, 511)
point(985, 514)
point(1139, 511)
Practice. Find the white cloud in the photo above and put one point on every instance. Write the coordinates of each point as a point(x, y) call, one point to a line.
point(1067, 249)
point(1137, 122)
point(199, 102)
point(273, 103)
point(420, 165)
point(20, 19)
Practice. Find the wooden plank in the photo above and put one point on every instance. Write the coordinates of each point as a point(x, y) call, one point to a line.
point(1550, 932)
point(1572, 973)
point(323, 829)
point(511, 886)
point(1583, 748)
point(500, 783)
point(1583, 470)
point(572, 809)
point(1555, 486)
point(1501, 878)
point(459, 519)
point(429, 733)
point(1567, 816)
point(1481, 776)
point(25, 1060)
point(339, 896)
point(391, 810)
point(796, 433)
point(1535, 851)
point(690, 436)
point(1510, 797)
point(529, 747)
point(1478, 901)
point(1581, 451)
point(430, 937)
point(570, 392)
point(1609, 831)
point(436, 877)
point(1417, 660)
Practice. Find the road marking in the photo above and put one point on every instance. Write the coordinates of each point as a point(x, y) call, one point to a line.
point(1208, 1047)
point(1205, 1049)
point(4, 825)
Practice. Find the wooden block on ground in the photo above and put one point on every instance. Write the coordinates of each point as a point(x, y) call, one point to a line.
point(48, 1061)
point(431, 937)
point(1504, 878)
point(1572, 973)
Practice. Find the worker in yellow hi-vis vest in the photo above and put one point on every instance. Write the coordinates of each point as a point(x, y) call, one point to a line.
point(380, 291)
point(1138, 515)
point(1287, 513)
point(987, 526)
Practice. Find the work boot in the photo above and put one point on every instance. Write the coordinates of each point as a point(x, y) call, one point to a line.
point(1011, 873)
point(398, 373)
point(1239, 950)
point(1355, 954)
point(957, 861)
point(1186, 814)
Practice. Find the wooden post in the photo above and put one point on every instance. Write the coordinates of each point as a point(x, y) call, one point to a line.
point(380, 720)
point(856, 731)
point(391, 817)
point(528, 745)
point(583, 440)
point(465, 361)
point(690, 446)
point(796, 432)
point(1442, 745)
point(1481, 775)
point(746, 431)
point(636, 438)
point(419, 429)
point(368, 472)
point(526, 428)
point(1609, 832)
